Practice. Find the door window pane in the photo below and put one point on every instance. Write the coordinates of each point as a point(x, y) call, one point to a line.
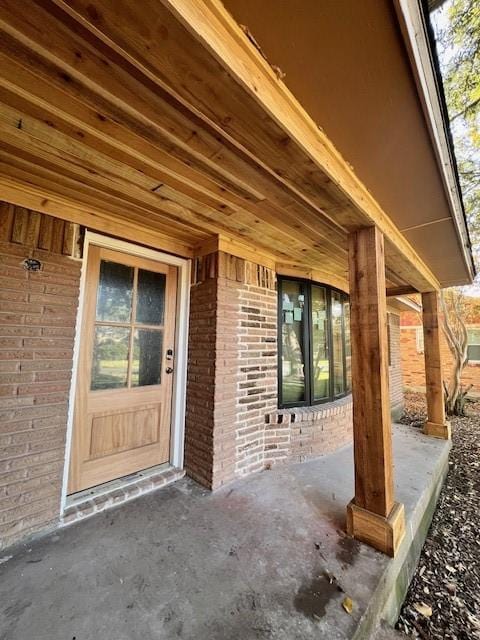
point(337, 343)
point(110, 357)
point(348, 346)
point(150, 297)
point(321, 365)
point(147, 357)
point(114, 296)
point(293, 348)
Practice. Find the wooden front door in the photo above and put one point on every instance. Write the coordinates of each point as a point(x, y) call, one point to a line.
point(124, 380)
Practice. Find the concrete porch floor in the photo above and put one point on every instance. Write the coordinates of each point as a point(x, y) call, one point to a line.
point(246, 562)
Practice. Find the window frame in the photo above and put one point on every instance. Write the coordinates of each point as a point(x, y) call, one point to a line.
point(307, 336)
point(472, 344)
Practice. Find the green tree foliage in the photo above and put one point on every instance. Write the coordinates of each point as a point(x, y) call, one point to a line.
point(457, 29)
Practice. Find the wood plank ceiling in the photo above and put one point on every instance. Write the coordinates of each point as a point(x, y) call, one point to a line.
point(113, 112)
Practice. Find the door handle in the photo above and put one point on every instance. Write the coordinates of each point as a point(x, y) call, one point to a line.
point(169, 370)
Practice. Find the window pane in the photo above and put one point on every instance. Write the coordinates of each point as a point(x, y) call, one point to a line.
point(150, 297)
point(474, 352)
point(348, 345)
point(321, 365)
point(114, 296)
point(147, 357)
point(337, 339)
point(110, 357)
point(293, 349)
point(473, 336)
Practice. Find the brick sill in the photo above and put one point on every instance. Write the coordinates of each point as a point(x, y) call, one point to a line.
point(303, 414)
point(111, 494)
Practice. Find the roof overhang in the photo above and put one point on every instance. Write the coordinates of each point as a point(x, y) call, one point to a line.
point(417, 35)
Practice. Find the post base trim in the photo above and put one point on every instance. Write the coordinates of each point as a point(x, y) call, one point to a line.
point(442, 431)
point(382, 533)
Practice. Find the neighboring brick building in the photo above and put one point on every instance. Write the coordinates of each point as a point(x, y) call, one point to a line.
point(412, 355)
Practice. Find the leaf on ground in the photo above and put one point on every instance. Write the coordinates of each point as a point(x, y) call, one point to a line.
point(474, 621)
point(347, 604)
point(423, 609)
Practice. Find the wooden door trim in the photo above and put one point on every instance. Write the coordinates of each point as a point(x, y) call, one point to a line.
point(178, 381)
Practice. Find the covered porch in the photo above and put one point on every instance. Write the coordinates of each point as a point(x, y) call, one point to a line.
point(266, 557)
point(162, 149)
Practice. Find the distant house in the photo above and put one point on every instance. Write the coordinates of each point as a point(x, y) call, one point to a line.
point(412, 350)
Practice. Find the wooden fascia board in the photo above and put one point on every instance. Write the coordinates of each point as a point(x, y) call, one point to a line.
point(316, 275)
point(37, 199)
point(210, 23)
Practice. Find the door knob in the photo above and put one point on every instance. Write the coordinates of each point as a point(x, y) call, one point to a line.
point(169, 370)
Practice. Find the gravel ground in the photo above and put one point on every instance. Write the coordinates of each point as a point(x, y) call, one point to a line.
point(443, 600)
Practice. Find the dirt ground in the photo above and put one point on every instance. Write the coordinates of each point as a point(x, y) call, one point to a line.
point(443, 600)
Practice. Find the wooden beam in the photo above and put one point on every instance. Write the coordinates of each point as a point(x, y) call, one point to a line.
point(400, 291)
point(37, 199)
point(372, 516)
point(436, 424)
point(323, 276)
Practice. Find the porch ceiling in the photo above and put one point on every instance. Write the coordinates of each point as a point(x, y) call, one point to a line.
point(164, 123)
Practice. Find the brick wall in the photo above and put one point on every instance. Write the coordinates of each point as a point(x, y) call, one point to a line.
point(299, 434)
point(37, 324)
point(233, 425)
point(413, 363)
point(257, 379)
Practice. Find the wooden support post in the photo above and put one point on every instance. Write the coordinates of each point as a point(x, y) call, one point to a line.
point(372, 516)
point(436, 424)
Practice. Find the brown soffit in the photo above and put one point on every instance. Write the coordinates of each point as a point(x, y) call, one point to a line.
point(425, 65)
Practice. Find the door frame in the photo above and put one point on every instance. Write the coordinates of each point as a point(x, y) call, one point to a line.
point(179, 390)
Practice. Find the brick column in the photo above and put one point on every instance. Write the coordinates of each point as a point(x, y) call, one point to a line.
point(231, 382)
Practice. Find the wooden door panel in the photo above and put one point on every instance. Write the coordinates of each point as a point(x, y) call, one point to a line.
point(117, 431)
point(123, 397)
point(120, 464)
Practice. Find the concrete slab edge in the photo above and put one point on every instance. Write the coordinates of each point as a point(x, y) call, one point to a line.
point(388, 597)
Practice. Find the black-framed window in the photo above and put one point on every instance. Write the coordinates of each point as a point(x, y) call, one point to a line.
point(314, 343)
